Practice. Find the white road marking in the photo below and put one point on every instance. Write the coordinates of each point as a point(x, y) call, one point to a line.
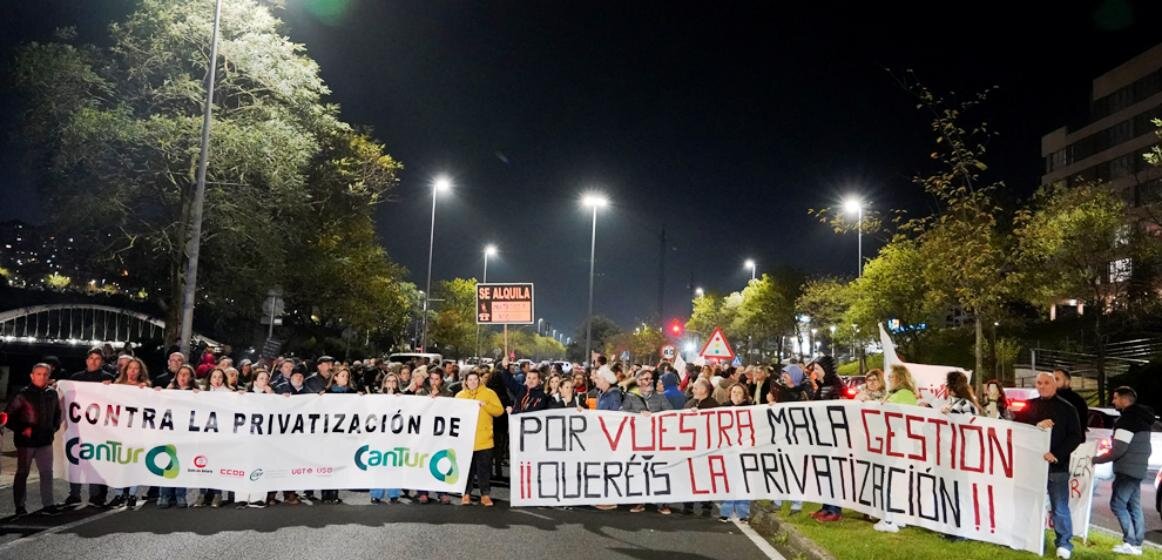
point(37, 536)
point(537, 515)
point(759, 541)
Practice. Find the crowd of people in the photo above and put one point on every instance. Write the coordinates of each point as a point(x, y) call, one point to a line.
point(510, 388)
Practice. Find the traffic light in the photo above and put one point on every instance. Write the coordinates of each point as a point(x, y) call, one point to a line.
point(676, 328)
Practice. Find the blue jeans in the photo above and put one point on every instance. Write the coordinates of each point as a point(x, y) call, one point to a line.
point(1059, 504)
point(389, 493)
point(175, 495)
point(796, 505)
point(741, 508)
point(1126, 503)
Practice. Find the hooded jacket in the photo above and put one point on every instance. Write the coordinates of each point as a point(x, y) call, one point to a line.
point(490, 410)
point(523, 398)
point(671, 391)
point(206, 366)
point(37, 408)
point(1131, 439)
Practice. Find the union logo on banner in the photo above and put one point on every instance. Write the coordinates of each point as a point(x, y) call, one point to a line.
point(717, 347)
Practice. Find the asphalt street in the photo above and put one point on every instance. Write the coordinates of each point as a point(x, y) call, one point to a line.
point(358, 529)
point(1101, 516)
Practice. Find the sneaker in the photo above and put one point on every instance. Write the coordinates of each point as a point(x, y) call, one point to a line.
point(465, 500)
point(116, 502)
point(818, 514)
point(293, 500)
point(393, 500)
point(1064, 553)
point(828, 518)
point(744, 521)
point(486, 501)
point(376, 501)
point(72, 500)
point(217, 501)
point(131, 503)
point(273, 502)
point(181, 504)
point(163, 503)
point(337, 501)
point(722, 519)
point(257, 504)
point(424, 498)
point(638, 508)
point(664, 510)
point(795, 510)
point(1127, 548)
point(886, 527)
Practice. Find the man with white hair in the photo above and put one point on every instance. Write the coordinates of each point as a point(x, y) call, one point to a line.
point(1051, 412)
point(609, 395)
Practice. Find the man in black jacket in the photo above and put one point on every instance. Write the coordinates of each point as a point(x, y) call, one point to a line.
point(529, 397)
point(1065, 390)
point(1051, 412)
point(1131, 457)
point(34, 415)
point(93, 373)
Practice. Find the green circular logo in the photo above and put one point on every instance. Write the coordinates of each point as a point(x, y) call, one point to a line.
point(451, 474)
point(170, 470)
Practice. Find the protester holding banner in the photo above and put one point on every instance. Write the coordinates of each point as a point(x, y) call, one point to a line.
point(33, 415)
point(646, 402)
point(793, 385)
point(216, 381)
point(609, 396)
point(961, 398)
point(93, 373)
point(184, 380)
point(566, 397)
point(993, 403)
point(1130, 456)
point(827, 386)
point(390, 386)
point(702, 395)
point(903, 388)
point(261, 383)
point(132, 373)
point(482, 448)
point(1051, 412)
point(873, 387)
point(736, 508)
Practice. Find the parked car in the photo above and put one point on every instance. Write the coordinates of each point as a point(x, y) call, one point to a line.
point(404, 357)
point(1101, 425)
point(1017, 397)
point(852, 384)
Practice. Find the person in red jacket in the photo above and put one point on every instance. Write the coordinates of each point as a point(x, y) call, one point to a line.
point(208, 364)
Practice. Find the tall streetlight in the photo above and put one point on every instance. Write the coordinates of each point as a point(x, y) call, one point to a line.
point(195, 242)
point(489, 250)
point(832, 329)
point(752, 266)
point(594, 201)
point(440, 185)
point(699, 292)
point(539, 321)
point(854, 205)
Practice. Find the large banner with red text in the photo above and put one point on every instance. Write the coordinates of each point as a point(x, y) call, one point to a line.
point(974, 477)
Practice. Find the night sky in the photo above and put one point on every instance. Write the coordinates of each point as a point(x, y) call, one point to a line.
point(720, 122)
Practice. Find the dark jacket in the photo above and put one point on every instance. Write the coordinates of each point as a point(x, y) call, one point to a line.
point(1131, 438)
point(1079, 404)
point(34, 408)
point(578, 400)
point(316, 383)
point(830, 388)
point(85, 376)
point(611, 399)
point(763, 389)
point(523, 398)
point(1066, 434)
point(670, 389)
point(800, 392)
point(707, 402)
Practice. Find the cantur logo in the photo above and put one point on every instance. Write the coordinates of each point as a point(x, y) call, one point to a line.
point(441, 464)
point(114, 452)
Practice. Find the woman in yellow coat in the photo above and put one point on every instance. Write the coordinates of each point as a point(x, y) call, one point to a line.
point(482, 450)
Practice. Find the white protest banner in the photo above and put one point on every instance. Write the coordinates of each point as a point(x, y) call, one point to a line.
point(1081, 481)
point(122, 436)
point(974, 477)
point(929, 378)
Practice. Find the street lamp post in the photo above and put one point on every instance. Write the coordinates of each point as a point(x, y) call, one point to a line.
point(594, 201)
point(441, 184)
point(489, 250)
point(193, 248)
point(832, 329)
point(854, 205)
point(752, 266)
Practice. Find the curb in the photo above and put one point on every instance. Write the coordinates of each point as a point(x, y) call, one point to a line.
point(785, 537)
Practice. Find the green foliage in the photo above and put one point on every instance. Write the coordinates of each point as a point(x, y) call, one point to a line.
point(290, 187)
point(454, 328)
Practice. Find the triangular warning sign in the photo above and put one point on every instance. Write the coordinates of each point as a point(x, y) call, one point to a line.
point(717, 347)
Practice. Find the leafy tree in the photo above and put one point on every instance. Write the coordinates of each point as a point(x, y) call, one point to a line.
point(891, 287)
point(454, 329)
point(707, 313)
point(603, 330)
point(1079, 241)
point(114, 131)
point(767, 311)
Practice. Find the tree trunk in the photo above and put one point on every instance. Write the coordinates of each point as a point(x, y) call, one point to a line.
point(979, 354)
